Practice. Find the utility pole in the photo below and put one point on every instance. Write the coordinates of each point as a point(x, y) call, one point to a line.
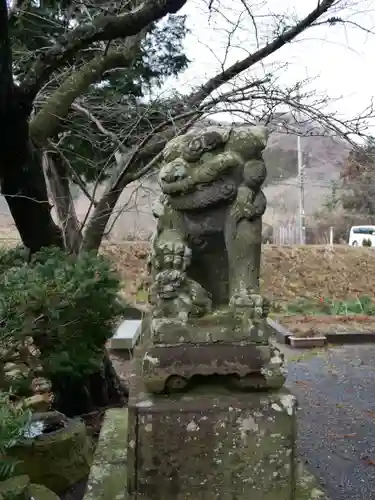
point(302, 229)
point(301, 219)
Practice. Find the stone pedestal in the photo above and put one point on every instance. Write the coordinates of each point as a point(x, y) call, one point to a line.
point(212, 444)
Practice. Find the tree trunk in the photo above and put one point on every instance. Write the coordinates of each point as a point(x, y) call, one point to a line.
point(22, 179)
point(58, 180)
point(138, 167)
point(102, 389)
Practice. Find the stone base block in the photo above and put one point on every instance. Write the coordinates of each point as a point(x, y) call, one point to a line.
point(222, 325)
point(212, 444)
point(242, 365)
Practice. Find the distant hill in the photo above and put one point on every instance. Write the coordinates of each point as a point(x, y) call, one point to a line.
point(324, 157)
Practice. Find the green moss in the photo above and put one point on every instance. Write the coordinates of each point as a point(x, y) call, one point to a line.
point(57, 460)
point(40, 492)
point(15, 488)
point(142, 296)
point(108, 476)
point(216, 446)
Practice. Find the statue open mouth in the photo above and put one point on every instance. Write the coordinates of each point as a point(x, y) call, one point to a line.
point(204, 195)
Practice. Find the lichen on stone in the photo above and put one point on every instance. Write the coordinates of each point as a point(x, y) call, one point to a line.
point(108, 475)
point(206, 250)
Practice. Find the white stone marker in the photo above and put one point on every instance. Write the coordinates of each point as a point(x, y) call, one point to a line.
point(126, 335)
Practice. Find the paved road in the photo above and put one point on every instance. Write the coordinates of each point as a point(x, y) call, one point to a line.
point(336, 393)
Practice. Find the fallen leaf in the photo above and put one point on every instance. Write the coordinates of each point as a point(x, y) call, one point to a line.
point(302, 382)
point(369, 461)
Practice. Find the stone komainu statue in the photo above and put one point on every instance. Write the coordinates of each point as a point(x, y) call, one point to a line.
point(208, 316)
point(206, 251)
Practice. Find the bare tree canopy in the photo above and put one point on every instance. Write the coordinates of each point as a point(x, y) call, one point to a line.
point(89, 81)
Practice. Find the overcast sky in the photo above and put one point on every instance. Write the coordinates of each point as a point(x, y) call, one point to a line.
point(340, 58)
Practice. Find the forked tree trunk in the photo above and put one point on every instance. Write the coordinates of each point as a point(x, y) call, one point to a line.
point(58, 180)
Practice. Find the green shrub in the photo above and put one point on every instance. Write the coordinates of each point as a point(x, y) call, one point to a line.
point(14, 421)
point(13, 257)
point(68, 304)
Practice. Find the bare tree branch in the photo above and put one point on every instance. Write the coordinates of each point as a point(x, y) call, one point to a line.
point(98, 222)
point(85, 112)
point(102, 28)
point(214, 83)
point(73, 173)
point(45, 124)
point(143, 156)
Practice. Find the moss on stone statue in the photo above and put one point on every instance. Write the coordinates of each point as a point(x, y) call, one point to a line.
point(58, 459)
point(217, 327)
point(108, 476)
point(209, 230)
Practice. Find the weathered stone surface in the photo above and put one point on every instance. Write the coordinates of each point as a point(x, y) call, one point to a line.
point(308, 487)
point(205, 263)
point(244, 365)
point(108, 475)
point(55, 459)
point(206, 250)
point(20, 488)
point(40, 492)
point(222, 325)
point(230, 435)
point(212, 444)
point(15, 488)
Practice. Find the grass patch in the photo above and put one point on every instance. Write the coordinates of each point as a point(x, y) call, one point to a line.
point(363, 306)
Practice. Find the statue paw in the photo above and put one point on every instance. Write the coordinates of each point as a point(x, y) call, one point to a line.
point(178, 297)
point(248, 205)
point(200, 299)
point(247, 299)
point(168, 283)
point(171, 255)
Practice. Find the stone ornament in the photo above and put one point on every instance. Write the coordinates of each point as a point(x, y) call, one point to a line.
point(205, 257)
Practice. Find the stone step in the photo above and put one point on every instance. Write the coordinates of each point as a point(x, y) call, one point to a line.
point(108, 475)
point(126, 335)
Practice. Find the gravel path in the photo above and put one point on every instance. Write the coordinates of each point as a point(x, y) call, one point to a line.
point(336, 392)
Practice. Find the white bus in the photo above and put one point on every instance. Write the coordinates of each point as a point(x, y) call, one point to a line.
point(359, 233)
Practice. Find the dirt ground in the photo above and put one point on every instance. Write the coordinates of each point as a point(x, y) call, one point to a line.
point(288, 272)
point(303, 326)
